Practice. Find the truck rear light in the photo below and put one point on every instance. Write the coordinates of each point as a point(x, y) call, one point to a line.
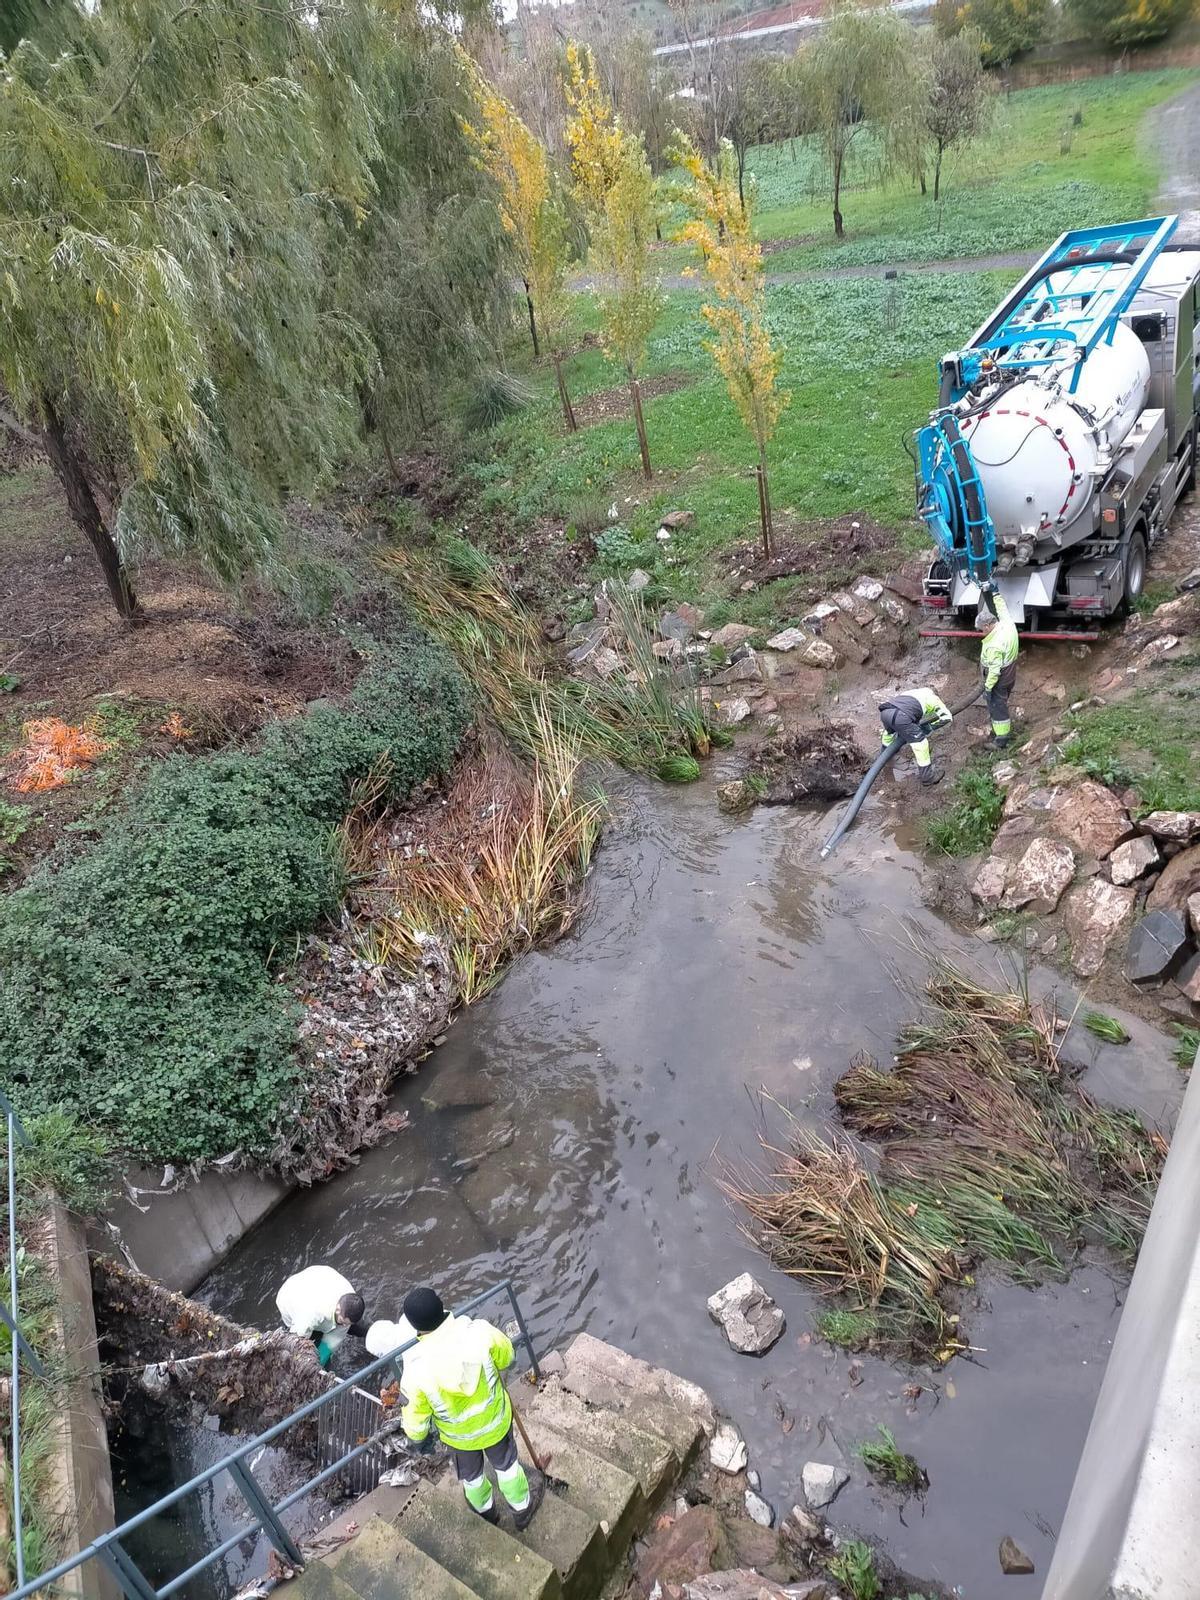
point(939, 602)
point(1085, 602)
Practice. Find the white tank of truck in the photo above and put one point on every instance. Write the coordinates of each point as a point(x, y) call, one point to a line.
point(1066, 430)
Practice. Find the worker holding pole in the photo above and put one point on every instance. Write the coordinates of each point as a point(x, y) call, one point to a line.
point(319, 1304)
point(911, 717)
point(998, 659)
point(452, 1382)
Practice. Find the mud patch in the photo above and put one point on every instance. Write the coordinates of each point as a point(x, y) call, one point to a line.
point(827, 552)
point(607, 404)
point(807, 765)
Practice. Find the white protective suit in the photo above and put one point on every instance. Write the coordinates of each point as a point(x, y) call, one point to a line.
point(307, 1304)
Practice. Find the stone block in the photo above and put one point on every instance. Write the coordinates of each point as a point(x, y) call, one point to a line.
point(1157, 947)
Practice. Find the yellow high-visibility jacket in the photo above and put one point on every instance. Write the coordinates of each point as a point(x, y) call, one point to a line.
point(452, 1378)
point(1000, 648)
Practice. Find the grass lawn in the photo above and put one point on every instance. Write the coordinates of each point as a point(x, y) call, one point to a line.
point(1034, 175)
point(859, 357)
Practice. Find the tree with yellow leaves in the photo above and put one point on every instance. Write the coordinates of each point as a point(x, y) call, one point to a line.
point(617, 190)
point(533, 215)
point(720, 227)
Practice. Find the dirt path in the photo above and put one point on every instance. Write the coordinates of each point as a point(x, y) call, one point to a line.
point(1177, 137)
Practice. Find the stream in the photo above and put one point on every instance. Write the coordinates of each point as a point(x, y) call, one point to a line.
point(617, 1070)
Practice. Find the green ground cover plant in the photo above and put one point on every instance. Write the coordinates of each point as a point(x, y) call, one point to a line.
point(139, 986)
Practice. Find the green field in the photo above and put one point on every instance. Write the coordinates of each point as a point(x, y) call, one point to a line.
point(859, 356)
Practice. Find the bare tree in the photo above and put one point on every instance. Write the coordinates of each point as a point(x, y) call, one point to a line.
point(959, 95)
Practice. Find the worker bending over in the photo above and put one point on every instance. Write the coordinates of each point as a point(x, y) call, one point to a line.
point(452, 1379)
point(998, 658)
point(319, 1304)
point(909, 717)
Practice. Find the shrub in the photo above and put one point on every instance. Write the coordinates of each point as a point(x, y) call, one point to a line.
point(137, 988)
point(970, 824)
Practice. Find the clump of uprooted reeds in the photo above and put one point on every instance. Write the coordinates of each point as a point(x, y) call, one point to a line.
point(987, 1152)
point(501, 878)
point(646, 717)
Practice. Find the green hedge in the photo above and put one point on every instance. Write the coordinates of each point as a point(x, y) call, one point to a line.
point(136, 986)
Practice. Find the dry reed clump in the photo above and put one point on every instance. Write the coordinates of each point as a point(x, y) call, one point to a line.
point(638, 718)
point(987, 1152)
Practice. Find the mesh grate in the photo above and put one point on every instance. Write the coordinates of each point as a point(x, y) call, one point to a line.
point(345, 1423)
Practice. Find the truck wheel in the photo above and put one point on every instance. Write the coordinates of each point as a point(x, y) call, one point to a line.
point(1135, 573)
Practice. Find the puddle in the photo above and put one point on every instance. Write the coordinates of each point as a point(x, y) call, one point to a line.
point(717, 957)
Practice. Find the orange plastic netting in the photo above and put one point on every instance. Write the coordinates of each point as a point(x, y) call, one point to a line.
point(54, 751)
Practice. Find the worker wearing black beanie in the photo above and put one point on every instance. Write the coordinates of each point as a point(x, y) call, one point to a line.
point(424, 1309)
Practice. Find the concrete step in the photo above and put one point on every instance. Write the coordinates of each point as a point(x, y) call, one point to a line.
point(318, 1582)
point(613, 1435)
point(486, 1558)
point(571, 1541)
point(660, 1402)
point(589, 1483)
point(379, 1564)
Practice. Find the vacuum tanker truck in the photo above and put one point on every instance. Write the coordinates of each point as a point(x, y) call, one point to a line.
point(1066, 432)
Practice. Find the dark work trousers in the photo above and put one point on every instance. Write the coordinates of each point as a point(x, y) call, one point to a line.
point(997, 701)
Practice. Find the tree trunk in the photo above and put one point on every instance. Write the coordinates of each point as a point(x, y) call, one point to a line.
point(635, 393)
point(86, 512)
point(839, 227)
point(741, 161)
point(532, 321)
point(568, 410)
point(766, 521)
point(385, 434)
point(658, 230)
point(923, 188)
point(937, 178)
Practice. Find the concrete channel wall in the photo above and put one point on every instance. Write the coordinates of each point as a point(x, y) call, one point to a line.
point(182, 1234)
point(1132, 1526)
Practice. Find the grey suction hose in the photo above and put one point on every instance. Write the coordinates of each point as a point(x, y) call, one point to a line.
point(873, 771)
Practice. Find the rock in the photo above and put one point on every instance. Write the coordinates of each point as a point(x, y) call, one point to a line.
point(1157, 946)
point(735, 796)
point(638, 580)
point(789, 639)
point(1014, 835)
point(1193, 912)
point(894, 610)
point(1182, 827)
point(1192, 581)
point(747, 669)
point(822, 1483)
point(604, 662)
point(758, 1510)
point(907, 585)
point(732, 635)
point(674, 625)
point(682, 1551)
point(753, 1479)
point(1090, 817)
point(1157, 649)
point(728, 1452)
point(1026, 795)
point(844, 636)
point(1013, 1560)
point(1180, 880)
point(1093, 913)
point(554, 629)
point(817, 653)
point(742, 1583)
point(749, 1317)
point(1187, 980)
point(585, 638)
point(1133, 859)
point(1003, 773)
point(691, 614)
point(668, 649)
point(732, 711)
point(1041, 877)
point(819, 614)
point(810, 1589)
point(868, 588)
point(802, 1525)
point(991, 882)
point(677, 519)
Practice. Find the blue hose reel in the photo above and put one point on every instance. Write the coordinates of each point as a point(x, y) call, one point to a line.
point(951, 500)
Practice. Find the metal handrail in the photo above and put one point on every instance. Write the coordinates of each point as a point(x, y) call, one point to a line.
point(265, 1514)
point(10, 1315)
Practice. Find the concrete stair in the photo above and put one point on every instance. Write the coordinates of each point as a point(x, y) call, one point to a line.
point(616, 1434)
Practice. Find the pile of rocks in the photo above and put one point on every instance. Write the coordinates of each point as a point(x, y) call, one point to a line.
point(1069, 844)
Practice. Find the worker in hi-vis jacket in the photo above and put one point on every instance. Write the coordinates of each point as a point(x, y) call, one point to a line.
point(910, 717)
point(452, 1382)
point(319, 1304)
point(998, 659)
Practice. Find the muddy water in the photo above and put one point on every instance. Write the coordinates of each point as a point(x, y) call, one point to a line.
point(617, 1070)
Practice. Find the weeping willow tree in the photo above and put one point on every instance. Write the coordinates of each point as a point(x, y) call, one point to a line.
point(225, 230)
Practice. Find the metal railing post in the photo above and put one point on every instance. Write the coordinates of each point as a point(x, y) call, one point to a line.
point(6, 1106)
point(17, 1342)
point(134, 1583)
point(525, 1339)
point(265, 1512)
